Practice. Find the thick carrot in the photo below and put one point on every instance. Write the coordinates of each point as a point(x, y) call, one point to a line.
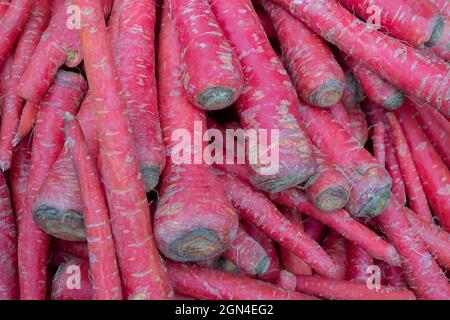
point(259, 210)
point(134, 53)
point(378, 143)
point(9, 284)
point(391, 59)
point(11, 25)
point(76, 248)
point(414, 188)
point(19, 173)
point(202, 283)
point(199, 223)
point(341, 116)
point(13, 104)
point(247, 254)
point(317, 76)
point(102, 257)
point(268, 101)
point(287, 280)
point(26, 122)
point(377, 89)
point(423, 274)
point(433, 172)
point(64, 95)
point(358, 262)
point(72, 281)
point(141, 268)
point(4, 4)
point(212, 75)
point(334, 245)
point(342, 223)
point(346, 290)
point(59, 45)
point(5, 77)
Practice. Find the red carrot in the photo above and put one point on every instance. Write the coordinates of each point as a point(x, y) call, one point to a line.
point(415, 191)
point(9, 285)
point(200, 222)
point(318, 78)
point(72, 281)
point(257, 209)
point(358, 262)
point(378, 143)
point(11, 25)
point(394, 61)
point(334, 245)
point(76, 248)
point(442, 46)
point(102, 258)
point(377, 89)
point(268, 101)
point(64, 95)
point(341, 222)
point(287, 280)
point(26, 122)
point(4, 4)
point(58, 258)
point(346, 290)
point(20, 170)
point(423, 273)
point(59, 45)
point(247, 254)
point(314, 229)
point(393, 276)
point(141, 268)
point(13, 104)
point(134, 54)
point(433, 172)
point(340, 115)
point(444, 7)
point(212, 76)
point(267, 24)
point(203, 283)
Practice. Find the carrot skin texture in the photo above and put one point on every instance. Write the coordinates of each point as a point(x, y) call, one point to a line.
point(314, 229)
point(261, 107)
point(26, 122)
point(33, 244)
point(13, 104)
point(4, 4)
point(212, 75)
point(76, 248)
point(9, 284)
point(444, 7)
point(287, 280)
point(341, 116)
point(134, 54)
point(358, 260)
point(60, 44)
point(103, 267)
point(317, 76)
point(60, 288)
point(11, 25)
point(202, 283)
point(409, 71)
point(334, 245)
point(433, 172)
point(346, 290)
point(199, 223)
point(394, 276)
point(142, 270)
point(378, 143)
point(415, 191)
point(20, 171)
point(254, 207)
point(423, 274)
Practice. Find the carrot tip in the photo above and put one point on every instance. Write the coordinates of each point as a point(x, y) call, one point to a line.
point(395, 101)
point(150, 174)
point(328, 94)
point(66, 225)
point(197, 245)
point(216, 98)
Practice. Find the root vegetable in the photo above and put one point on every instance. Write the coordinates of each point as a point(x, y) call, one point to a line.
point(358, 262)
point(71, 281)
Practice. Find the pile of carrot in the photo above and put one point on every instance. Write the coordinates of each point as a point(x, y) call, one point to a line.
point(128, 169)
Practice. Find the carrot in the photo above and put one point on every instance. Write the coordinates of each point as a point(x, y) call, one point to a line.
point(437, 129)
point(64, 95)
point(423, 274)
point(19, 173)
point(443, 5)
point(378, 143)
point(259, 210)
point(268, 101)
point(314, 229)
point(247, 254)
point(11, 25)
point(26, 122)
point(392, 60)
point(6, 77)
point(442, 47)
point(76, 248)
point(134, 54)
point(60, 45)
point(72, 282)
point(376, 114)
point(342, 223)
point(334, 245)
point(141, 268)
point(212, 76)
point(200, 222)
point(102, 258)
point(9, 285)
point(358, 262)
point(377, 89)
point(287, 280)
point(433, 172)
point(13, 104)
point(267, 24)
point(4, 4)
point(202, 283)
point(415, 190)
point(393, 276)
point(317, 76)
point(346, 290)
point(341, 116)
point(371, 184)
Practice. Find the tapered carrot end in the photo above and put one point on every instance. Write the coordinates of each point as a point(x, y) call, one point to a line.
point(150, 174)
point(216, 98)
point(328, 94)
